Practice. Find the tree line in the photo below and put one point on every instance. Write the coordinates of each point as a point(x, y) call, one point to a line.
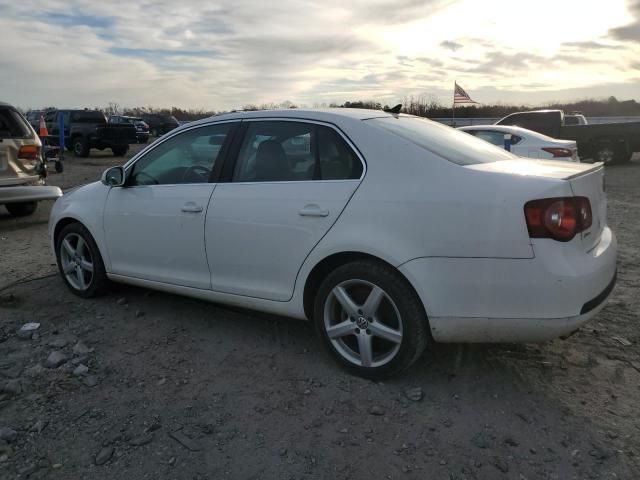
point(423, 106)
point(429, 106)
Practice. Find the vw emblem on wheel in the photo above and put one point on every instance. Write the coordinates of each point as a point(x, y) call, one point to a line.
point(362, 322)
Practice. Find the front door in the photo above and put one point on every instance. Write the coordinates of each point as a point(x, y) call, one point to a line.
point(290, 183)
point(154, 225)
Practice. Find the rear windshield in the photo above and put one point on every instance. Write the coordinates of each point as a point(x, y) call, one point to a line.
point(451, 144)
point(88, 117)
point(13, 125)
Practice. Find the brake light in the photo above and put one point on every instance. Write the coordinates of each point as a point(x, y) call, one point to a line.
point(560, 218)
point(29, 152)
point(559, 152)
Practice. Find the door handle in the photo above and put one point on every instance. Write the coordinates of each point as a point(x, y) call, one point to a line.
point(191, 207)
point(313, 210)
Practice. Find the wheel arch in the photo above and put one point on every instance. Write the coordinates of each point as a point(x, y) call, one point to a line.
point(328, 264)
point(68, 220)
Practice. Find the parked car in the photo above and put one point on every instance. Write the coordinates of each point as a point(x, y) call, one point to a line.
point(160, 123)
point(87, 129)
point(602, 142)
point(22, 168)
point(142, 129)
point(387, 231)
point(526, 143)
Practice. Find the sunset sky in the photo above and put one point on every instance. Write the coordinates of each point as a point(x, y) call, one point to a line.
point(225, 54)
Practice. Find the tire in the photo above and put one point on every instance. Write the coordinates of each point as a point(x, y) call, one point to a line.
point(22, 209)
point(604, 153)
point(396, 332)
point(74, 247)
point(120, 150)
point(59, 167)
point(80, 147)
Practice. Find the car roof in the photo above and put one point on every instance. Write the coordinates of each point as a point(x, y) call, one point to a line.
point(75, 110)
point(330, 115)
point(499, 128)
point(523, 132)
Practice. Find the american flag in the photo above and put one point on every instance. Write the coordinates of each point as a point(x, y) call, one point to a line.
point(460, 96)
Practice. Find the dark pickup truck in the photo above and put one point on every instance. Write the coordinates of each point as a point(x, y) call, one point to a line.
point(601, 142)
point(87, 129)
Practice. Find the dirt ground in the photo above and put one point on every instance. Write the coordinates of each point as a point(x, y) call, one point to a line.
point(181, 389)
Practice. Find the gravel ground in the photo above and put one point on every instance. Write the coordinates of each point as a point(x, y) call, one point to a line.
point(151, 385)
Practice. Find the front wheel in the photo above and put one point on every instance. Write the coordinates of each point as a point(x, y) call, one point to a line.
point(80, 262)
point(81, 147)
point(370, 319)
point(22, 209)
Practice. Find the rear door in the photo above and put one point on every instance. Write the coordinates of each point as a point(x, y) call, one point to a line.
point(289, 184)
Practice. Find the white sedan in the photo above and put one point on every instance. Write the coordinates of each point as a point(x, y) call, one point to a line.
point(387, 231)
point(526, 143)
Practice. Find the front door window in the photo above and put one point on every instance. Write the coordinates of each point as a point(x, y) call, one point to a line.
point(189, 157)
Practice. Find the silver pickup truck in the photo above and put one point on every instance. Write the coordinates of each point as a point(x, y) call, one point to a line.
point(22, 167)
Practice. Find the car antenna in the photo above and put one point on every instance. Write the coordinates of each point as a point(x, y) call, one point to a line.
point(395, 110)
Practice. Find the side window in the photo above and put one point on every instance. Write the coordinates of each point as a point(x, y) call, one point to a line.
point(275, 151)
point(188, 157)
point(49, 116)
point(491, 136)
point(513, 119)
point(337, 159)
point(515, 139)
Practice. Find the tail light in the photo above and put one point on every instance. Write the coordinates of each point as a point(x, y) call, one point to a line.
point(559, 152)
point(29, 152)
point(559, 218)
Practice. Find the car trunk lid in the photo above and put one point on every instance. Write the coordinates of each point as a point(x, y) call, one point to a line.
point(585, 180)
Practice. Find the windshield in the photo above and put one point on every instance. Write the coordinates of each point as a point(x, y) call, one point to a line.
point(456, 146)
point(13, 125)
point(169, 118)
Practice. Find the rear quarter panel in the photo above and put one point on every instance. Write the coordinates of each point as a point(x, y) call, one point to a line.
point(413, 204)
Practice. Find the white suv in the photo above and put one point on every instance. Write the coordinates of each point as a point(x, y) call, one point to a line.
point(22, 168)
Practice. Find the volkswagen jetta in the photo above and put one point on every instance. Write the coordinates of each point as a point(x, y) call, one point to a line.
point(387, 231)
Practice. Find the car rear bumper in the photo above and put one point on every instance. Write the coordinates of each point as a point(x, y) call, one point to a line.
point(24, 193)
point(515, 300)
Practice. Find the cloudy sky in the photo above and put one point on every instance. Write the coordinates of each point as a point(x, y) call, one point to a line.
point(225, 54)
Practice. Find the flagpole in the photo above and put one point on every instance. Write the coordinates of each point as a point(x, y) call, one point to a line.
point(453, 105)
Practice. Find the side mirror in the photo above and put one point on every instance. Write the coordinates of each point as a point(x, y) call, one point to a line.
point(113, 177)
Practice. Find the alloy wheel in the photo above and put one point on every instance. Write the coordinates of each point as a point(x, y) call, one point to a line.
point(363, 323)
point(76, 260)
point(605, 155)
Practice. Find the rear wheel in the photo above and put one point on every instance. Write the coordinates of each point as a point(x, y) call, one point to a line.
point(121, 150)
point(22, 209)
point(370, 319)
point(605, 154)
point(80, 262)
